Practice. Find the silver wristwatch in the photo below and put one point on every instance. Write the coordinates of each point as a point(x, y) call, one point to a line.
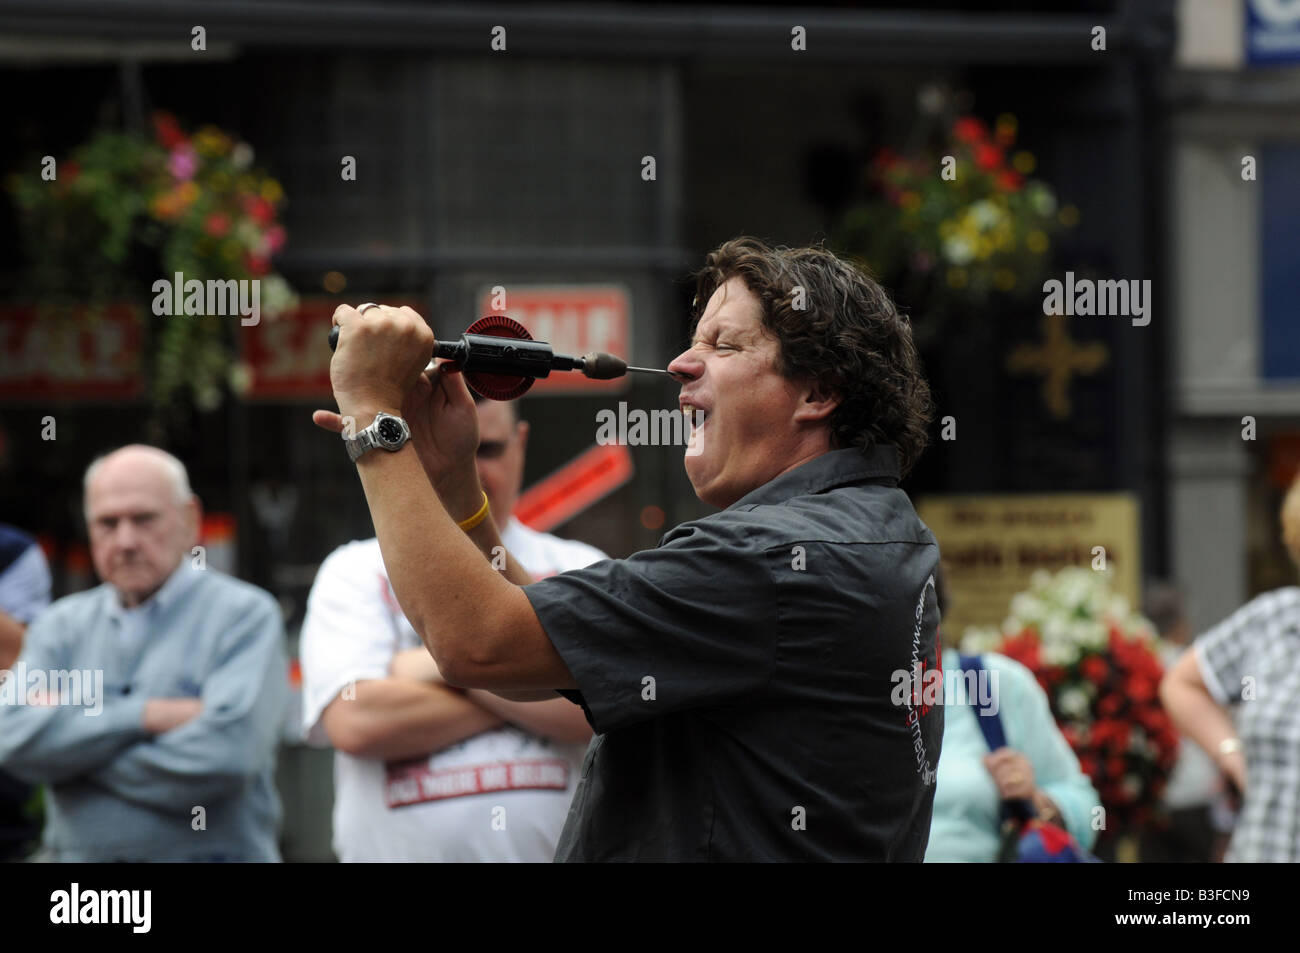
point(385, 432)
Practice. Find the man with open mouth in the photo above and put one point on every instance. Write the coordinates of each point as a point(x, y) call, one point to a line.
point(739, 675)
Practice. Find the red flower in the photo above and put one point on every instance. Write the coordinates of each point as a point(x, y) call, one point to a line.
point(217, 224)
point(259, 210)
point(1095, 669)
point(1009, 180)
point(1054, 674)
point(167, 130)
point(988, 157)
point(1024, 649)
point(1141, 689)
point(70, 171)
point(257, 265)
point(885, 158)
point(969, 129)
point(1111, 733)
point(1109, 706)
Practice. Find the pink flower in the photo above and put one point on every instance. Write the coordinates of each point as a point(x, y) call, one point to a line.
point(183, 162)
point(274, 239)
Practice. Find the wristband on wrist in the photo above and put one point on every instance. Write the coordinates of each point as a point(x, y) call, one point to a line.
point(478, 517)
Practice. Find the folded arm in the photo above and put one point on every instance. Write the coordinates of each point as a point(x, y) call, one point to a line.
point(394, 719)
point(212, 756)
point(55, 743)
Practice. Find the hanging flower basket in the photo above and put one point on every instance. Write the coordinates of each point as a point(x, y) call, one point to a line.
point(125, 211)
point(955, 224)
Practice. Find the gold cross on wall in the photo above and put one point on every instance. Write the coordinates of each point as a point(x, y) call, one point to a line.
point(1058, 358)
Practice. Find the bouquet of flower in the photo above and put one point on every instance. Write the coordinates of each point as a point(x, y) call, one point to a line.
point(959, 221)
point(125, 210)
point(1099, 664)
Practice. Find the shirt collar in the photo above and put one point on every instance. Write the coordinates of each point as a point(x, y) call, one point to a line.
point(831, 469)
point(182, 578)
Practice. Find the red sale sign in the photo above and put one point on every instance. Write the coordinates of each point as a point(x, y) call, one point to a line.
point(574, 320)
point(288, 356)
point(79, 354)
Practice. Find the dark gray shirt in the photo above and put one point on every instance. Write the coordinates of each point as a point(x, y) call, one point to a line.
point(741, 678)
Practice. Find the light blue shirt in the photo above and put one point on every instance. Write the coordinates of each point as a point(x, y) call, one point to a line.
point(966, 825)
point(202, 791)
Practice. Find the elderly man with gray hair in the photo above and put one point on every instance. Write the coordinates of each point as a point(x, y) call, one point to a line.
point(150, 705)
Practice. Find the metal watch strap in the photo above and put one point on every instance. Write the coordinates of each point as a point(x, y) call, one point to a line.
point(359, 445)
point(370, 439)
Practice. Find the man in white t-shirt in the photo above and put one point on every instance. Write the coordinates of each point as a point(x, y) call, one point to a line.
point(424, 771)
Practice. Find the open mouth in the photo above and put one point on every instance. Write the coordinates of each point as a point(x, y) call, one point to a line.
point(695, 416)
point(695, 419)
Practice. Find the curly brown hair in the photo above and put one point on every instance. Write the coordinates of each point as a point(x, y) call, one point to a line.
point(848, 338)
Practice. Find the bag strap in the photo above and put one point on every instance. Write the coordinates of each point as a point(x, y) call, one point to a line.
point(990, 722)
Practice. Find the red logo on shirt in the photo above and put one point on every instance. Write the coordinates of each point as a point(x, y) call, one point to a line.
point(411, 782)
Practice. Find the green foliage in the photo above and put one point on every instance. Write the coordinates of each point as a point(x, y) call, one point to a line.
point(955, 225)
point(124, 211)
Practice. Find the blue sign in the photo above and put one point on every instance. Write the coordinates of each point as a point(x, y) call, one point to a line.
point(1279, 167)
point(1273, 31)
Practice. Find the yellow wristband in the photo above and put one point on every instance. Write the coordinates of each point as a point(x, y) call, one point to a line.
point(478, 517)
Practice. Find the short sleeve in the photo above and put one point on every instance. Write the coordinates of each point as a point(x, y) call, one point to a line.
point(690, 624)
point(347, 635)
point(1224, 651)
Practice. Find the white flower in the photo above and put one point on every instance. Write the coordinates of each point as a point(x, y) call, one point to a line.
point(978, 639)
point(985, 214)
point(958, 251)
point(1073, 703)
point(1042, 200)
point(241, 377)
point(277, 296)
point(1025, 609)
point(1054, 631)
point(1058, 653)
point(242, 156)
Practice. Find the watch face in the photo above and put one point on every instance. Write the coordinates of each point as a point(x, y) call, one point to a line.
point(390, 431)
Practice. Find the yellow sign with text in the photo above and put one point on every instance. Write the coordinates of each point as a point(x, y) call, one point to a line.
point(990, 546)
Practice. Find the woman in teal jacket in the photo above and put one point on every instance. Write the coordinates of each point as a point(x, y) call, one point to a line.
point(1037, 765)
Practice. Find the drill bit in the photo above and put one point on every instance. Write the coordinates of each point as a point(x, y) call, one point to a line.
point(678, 376)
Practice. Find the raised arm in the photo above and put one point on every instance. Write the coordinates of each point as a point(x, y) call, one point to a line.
point(479, 627)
